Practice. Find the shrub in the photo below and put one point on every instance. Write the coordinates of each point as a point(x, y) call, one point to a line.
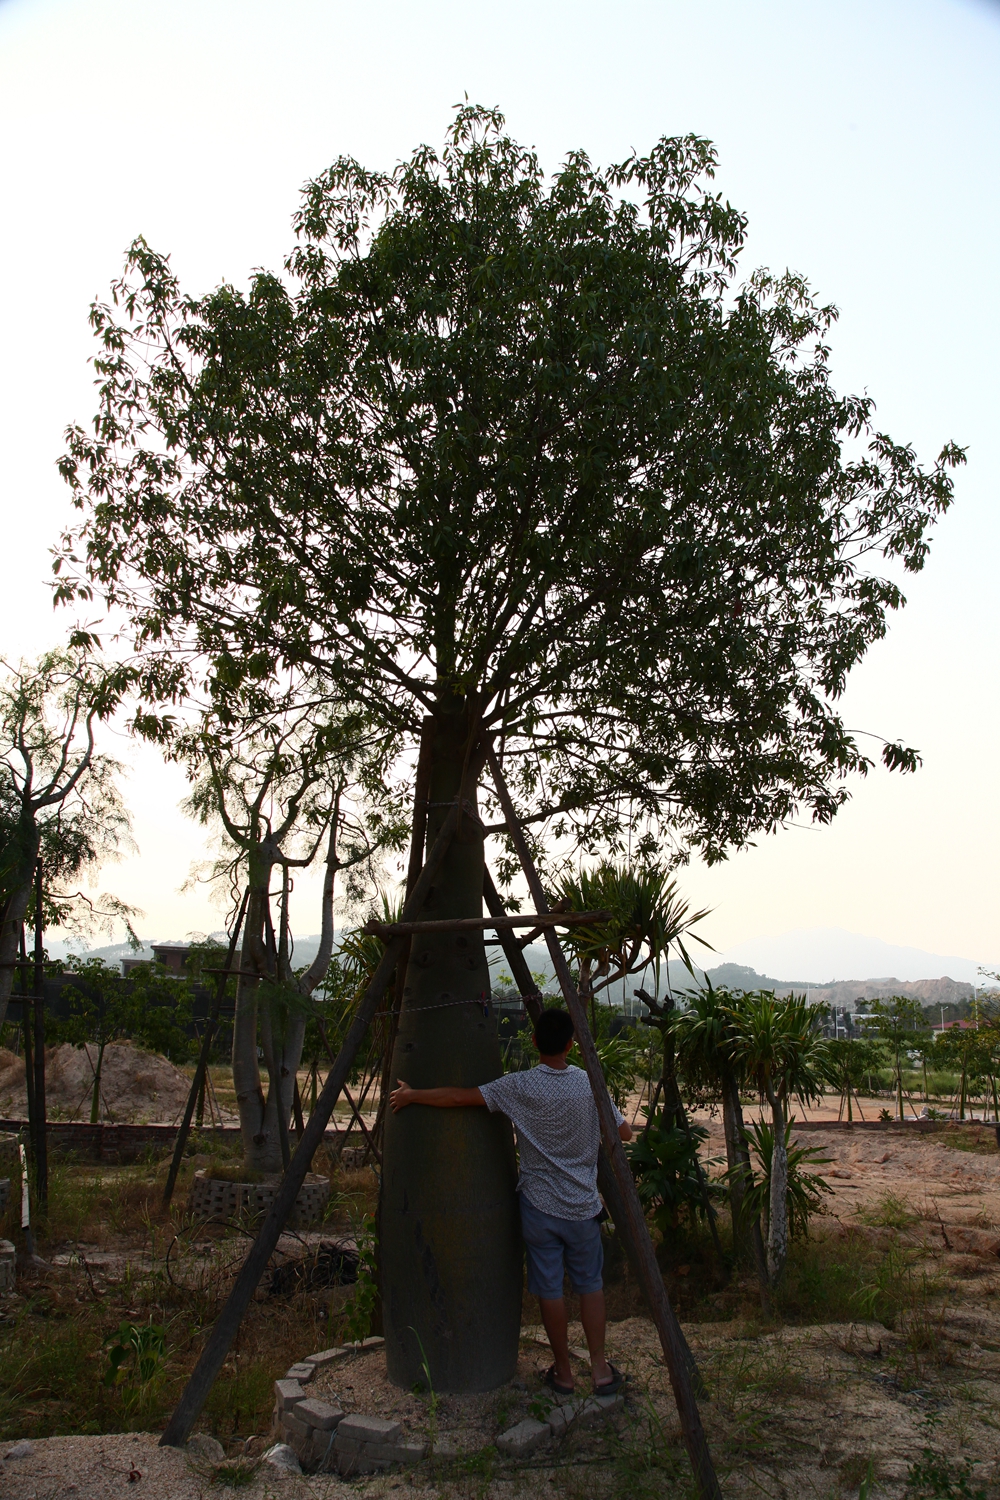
point(805, 1189)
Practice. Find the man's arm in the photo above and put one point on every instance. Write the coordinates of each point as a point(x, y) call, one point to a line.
point(446, 1098)
point(625, 1131)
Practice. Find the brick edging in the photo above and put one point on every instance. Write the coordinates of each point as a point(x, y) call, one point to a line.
point(324, 1437)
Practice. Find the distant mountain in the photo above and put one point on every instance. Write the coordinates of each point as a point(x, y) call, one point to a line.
point(954, 994)
point(832, 955)
point(847, 992)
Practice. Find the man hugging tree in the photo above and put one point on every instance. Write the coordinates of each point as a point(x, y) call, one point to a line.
point(553, 1112)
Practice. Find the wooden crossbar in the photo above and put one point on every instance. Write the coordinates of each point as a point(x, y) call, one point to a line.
point(479, 924)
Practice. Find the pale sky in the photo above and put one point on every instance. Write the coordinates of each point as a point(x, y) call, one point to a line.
point(860, 138)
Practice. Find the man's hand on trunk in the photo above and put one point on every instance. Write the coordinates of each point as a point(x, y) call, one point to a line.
point(447, 1098)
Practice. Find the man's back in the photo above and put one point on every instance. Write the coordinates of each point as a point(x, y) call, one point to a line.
point(558, 1137)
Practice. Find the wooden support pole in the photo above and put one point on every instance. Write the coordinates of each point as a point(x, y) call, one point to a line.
point(519, 971)
point(664, 1318)
point(227, 1324)
point(41, 1129)
point(27, 1017)
point(198, 1081)
point(502, 922)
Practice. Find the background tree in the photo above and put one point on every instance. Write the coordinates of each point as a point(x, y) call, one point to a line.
point(59, 797)
point(704, 1037)
point(901, 1025)
point(522, 456)
point(852, 1062)
point(282, 786)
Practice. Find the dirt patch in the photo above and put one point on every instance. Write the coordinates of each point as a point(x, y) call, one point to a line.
point(132, 1464)
point(456, 1424)
point(136, 1086)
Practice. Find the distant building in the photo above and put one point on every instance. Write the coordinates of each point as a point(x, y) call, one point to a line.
point(951, 1026)
point(173, 957)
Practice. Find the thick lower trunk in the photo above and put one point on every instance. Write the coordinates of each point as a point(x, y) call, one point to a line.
point(288, 1055)
point(246, 1069)
point(450, 1241)
point(777, 1225)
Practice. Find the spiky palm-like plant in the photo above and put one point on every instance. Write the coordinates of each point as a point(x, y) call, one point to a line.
point(777, 1045)
point(704, 1036)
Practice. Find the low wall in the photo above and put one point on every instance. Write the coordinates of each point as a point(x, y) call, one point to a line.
point(126, 1143)
point(922, 1127)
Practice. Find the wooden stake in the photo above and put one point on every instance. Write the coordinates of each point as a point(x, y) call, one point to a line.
point(666, 1323)
point(213, 1355)
point(41, 1142)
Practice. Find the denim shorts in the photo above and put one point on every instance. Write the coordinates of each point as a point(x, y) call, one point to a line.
point(550, 1242)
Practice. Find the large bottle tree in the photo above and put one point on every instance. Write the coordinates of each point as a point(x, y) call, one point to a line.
point(523, 456)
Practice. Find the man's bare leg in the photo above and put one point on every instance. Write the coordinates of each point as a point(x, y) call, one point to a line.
point(553, 1310)
point(593, 1318)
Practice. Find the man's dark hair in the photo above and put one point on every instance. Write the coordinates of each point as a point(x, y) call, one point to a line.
point(553, 1030)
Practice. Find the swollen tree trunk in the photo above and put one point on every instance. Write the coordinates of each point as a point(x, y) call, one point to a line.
point(777, 1219)
point(246, 1070)
point(450, 1241)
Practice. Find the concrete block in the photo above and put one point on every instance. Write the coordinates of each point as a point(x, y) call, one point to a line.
point(318, 1414)
point(598, 1408)
point(327, 1356)
point(395, 1453)
point(319, 1452)
point(561, 1417)
point(347, 1445)
point(294, 1431)
point(287, 1393)
point(302, 1372)
point(374, 1342)
point(363, 1429)
point(524, 1438)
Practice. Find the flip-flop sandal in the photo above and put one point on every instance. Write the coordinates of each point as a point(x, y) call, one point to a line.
point(549, 1379)
point(613, 1386)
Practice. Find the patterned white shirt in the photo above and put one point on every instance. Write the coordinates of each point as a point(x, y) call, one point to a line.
point(558, 1137)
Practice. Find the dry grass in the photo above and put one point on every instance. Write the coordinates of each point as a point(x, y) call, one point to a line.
point(158, 1268)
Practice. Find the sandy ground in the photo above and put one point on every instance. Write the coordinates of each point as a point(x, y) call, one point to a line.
point(798, 1411)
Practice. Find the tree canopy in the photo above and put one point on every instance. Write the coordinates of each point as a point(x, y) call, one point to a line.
point(521, 445)
point(59, 797)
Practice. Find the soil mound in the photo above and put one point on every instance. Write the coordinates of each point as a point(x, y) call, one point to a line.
point(137, 1087)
